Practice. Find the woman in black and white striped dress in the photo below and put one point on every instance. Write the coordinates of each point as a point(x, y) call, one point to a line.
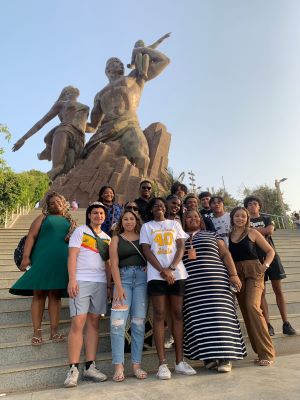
point(211, 329)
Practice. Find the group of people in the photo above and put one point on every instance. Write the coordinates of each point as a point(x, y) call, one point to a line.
point(184, 253)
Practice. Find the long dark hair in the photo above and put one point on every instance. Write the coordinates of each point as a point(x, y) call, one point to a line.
point(119, 228)
point(175, 197)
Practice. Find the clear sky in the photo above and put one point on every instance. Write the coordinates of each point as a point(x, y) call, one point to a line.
point(230, 97)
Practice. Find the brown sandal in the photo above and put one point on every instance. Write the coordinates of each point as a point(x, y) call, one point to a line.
point(139, 373)
point(118, 376)
point(36, 341)
point(57, 338)
point(263, 363)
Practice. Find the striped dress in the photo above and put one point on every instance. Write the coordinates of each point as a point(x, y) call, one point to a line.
point(211, 327)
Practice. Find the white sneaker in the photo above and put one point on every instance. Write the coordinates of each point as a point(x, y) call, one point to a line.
point(163, 372)
point(224, 366)
point(93, 374)
point(184, 368)
point(169, 343)
point(72, 377)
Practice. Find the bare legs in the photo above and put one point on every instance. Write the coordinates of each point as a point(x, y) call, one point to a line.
point(37, 311)
point(54, 306)
point(159, 311)
point(38, 307)
point(75, 339)
point(280, 300)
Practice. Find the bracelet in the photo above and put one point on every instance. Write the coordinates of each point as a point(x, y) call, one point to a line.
point(172, 267)
point(108, 287)
point(233, 275)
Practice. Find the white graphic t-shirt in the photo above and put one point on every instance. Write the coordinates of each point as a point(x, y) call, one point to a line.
point(89, 265)
point(162, 236)
point(222, 226)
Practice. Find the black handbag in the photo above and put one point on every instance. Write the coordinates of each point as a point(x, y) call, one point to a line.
point(19, 250)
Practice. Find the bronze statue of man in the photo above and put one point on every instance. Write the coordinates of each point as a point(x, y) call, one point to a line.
point(115, 109)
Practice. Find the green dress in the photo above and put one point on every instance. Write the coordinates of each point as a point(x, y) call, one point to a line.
point(49, 257)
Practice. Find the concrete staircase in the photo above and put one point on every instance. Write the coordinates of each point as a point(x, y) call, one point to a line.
point(25, 367)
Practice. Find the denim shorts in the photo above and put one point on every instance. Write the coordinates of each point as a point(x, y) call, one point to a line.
point(162, 288)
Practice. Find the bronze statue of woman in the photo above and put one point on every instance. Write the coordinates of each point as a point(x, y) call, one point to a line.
point(65, 142)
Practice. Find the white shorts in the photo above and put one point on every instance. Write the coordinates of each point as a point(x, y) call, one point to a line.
point(91, 298)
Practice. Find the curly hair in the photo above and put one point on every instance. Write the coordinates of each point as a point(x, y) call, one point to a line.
point(65, 205)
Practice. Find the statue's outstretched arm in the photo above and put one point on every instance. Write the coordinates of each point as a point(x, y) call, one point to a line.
point(159, 41)
point(96, 115)
point(36, 127)
point(158, 62)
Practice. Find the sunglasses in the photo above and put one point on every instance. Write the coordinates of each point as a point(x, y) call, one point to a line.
point(131, 208)
point(146, 187)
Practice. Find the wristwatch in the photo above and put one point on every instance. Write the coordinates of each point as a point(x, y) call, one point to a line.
point(172, 267)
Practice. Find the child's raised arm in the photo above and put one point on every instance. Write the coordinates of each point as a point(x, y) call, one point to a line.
point(155, 44)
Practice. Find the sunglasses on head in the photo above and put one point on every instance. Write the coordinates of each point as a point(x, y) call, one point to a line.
point(146, 187)
point(133, 208)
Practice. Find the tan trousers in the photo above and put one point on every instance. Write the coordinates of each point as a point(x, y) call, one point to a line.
point(251, 274)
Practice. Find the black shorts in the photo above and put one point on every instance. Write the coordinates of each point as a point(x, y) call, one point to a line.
point(161, 288)
point(276, 271)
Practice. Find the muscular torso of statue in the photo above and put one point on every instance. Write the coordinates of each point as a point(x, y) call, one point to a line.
point(120, 98)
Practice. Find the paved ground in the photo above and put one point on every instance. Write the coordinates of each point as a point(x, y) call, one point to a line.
point(245, 382)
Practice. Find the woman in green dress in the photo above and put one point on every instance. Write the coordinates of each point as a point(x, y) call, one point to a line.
point(46, 255)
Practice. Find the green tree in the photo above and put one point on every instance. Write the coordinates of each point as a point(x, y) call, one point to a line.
point(268, 197)
point(171, 179)
point(21, 189)
point(229, 201)
point(7, 136)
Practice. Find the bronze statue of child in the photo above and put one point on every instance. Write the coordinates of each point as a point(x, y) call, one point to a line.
point(141, 60)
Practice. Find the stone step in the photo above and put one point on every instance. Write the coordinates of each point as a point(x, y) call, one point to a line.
point(292, 307)
point(51, 373)
point(286, 285)
point(24, 317)
point(20, 303)
point(24, 332)
point(19, 352)
point(290, 296)
point(276, 322)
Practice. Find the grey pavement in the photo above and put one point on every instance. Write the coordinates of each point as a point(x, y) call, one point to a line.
point(246, 382)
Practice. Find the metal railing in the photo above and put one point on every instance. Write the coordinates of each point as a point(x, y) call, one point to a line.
point(278, 219)
point(11, 216)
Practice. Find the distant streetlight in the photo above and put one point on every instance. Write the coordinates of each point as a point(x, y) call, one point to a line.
point(280, 198)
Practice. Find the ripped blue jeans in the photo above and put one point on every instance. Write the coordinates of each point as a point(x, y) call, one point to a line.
point(134, 282)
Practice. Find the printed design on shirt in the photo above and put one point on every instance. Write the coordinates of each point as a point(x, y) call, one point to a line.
point(163, 238)
point(89, 242)
point(222, 227)
point(261, 223)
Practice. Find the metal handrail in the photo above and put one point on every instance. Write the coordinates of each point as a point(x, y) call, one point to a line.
point(12, 215)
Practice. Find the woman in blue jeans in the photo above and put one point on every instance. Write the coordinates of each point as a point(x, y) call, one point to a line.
point(128, 268)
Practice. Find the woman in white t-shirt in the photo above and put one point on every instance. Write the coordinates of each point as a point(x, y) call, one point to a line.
point(162, 242)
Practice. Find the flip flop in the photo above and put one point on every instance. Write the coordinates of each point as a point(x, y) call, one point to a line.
point(118, 376)
point(265, 363)
point(139, 373)
point(36, 341)
point(57, 338)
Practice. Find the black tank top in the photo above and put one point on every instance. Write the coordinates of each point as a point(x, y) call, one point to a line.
point(245, 249)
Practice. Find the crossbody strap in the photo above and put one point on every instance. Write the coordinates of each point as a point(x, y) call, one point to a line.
point(129, 241)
